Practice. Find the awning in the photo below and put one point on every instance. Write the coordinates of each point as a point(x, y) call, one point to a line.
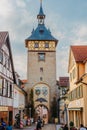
point(75, 109)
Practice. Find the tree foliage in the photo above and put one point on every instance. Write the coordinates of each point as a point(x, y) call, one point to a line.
point(54, 108)
point(31, 103)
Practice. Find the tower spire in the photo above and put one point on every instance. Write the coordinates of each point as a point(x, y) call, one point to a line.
point(41, 15)
point(41, 3)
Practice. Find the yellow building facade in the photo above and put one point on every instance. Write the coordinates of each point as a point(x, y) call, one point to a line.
point(77, 107)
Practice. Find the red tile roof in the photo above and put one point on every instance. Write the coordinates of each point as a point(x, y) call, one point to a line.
point(80, 53)
point(3, 36)
point(24, 81)
point(64, 81)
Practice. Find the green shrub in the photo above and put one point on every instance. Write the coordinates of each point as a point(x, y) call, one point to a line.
point(71, 124)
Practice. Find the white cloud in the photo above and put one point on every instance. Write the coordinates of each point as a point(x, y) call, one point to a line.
point(62, 62)
point(21, 3)
point(81, 30)
point(79, 42)
point(79, 35)
point(20, 65)
point(19, 18)
point(6, 8)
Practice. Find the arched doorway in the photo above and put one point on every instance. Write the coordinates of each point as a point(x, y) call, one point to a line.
point(42, 111)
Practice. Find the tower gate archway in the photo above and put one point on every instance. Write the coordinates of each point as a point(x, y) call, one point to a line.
point(42, 112)
point(41, 101)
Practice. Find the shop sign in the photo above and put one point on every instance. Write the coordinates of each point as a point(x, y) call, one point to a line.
point(3, 108)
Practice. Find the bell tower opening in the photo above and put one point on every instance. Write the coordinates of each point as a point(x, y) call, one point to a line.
point(41, 15)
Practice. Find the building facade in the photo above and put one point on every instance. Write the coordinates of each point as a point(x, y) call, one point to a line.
point(7, 78)
point(41, 66)
point(63, 89)
point(19, 99)
point(77, 108)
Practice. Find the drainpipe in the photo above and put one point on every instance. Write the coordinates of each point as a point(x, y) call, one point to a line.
point(78, 72)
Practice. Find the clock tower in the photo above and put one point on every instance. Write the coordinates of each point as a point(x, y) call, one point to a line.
point(41, 66)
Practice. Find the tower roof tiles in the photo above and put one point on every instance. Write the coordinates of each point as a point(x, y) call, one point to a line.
point(41, 33)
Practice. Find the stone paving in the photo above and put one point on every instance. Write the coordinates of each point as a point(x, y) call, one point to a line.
point(49, 127)
point(33, 127)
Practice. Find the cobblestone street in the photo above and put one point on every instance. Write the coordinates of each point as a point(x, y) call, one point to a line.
point(49, 127)
point(46, 127)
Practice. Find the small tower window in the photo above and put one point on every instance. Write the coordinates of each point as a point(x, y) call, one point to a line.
point(41, 78)
point(41, 69)
point(46, 45)
point(41, 56)
point(36, 45)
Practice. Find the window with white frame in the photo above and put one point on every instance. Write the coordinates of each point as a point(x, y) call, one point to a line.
point(11, 91)
point(1, 56)
point(6, 83)
point(74, 73)
point(1, 85)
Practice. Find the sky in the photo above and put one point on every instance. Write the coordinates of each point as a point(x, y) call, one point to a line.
point(66, 19)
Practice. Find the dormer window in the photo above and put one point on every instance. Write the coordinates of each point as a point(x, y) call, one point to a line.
point(41, 31)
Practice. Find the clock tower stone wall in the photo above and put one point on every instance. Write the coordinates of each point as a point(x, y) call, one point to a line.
point(48, 74)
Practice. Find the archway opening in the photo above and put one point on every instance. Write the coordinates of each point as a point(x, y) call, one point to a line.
point(41, 111)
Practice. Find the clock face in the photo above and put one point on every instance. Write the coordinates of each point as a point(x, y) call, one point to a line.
point(41, 90)
point(37, 91)
point(44, 91)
